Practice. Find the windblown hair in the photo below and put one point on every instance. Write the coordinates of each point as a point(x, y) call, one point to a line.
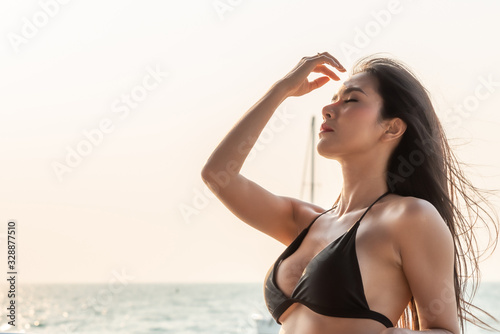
point(424, 166)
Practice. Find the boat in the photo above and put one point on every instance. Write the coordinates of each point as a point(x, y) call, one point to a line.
point(265, 324)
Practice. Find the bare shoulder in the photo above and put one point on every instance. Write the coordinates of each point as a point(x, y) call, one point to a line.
point(406, 212)
point(415, 223)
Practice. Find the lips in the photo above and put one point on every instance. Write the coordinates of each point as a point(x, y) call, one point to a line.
point(325, 127)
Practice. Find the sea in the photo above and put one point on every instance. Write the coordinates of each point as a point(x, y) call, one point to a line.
point(211, 308)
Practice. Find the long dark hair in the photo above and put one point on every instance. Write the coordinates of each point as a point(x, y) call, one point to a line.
point(423, 165)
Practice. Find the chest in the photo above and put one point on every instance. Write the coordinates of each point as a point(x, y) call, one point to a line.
point(325, 255)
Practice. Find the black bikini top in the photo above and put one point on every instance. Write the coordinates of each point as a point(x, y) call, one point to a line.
point(331, 284)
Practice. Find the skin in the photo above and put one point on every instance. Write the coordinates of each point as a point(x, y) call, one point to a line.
point(403, 245)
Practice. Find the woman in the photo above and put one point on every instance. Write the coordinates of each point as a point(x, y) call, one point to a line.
point(394, 249)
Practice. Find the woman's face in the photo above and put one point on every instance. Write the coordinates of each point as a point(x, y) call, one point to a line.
point(352, 115)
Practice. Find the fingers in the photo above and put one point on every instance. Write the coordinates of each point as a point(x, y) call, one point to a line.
point(331, 60)
point(319, 82)
point(296, 80)
point(325, 70)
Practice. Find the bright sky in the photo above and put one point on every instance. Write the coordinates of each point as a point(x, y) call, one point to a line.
point(110, 109)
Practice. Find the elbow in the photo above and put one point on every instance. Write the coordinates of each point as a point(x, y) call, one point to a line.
point(209, 176)
point(220, 174)
point(218, 178)
point(206, 173)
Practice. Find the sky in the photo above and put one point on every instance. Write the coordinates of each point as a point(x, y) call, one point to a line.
point(109, 111)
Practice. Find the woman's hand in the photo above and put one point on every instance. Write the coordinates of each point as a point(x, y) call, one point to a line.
point(295, 83)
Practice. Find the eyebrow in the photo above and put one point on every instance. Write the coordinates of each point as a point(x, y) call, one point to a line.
point(348, 90)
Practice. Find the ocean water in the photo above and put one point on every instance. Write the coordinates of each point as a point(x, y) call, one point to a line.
point(157, 308)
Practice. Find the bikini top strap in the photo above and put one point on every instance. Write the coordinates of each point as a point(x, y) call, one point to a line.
point(336, 206)
point(320, 216)
point(387, 192)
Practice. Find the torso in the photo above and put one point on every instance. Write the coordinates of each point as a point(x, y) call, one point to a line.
point(384, 283)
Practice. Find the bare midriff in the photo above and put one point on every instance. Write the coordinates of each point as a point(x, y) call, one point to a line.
point(299, 319)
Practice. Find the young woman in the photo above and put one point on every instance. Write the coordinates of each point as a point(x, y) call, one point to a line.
point(394, 249)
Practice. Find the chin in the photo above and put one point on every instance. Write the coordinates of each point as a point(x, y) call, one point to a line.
point(326, 150)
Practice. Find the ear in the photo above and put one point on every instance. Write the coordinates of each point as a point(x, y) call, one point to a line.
point(394, 129)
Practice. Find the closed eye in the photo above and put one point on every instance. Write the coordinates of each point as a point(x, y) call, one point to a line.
point(350, 100)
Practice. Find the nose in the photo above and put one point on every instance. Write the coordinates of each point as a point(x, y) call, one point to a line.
point(328, 111)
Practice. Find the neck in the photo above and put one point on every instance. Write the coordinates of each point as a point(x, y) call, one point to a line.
point(364, 182)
